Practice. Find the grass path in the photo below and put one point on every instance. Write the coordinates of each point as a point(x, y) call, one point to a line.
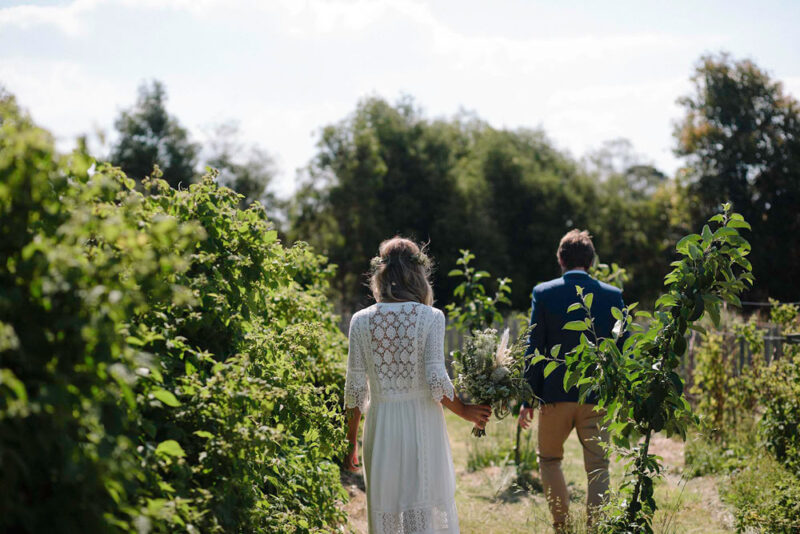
point(489, 501)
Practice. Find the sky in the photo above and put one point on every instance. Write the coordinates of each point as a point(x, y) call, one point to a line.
point(585, 72)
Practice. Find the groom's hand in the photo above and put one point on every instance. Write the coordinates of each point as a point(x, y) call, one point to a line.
point(525, 417)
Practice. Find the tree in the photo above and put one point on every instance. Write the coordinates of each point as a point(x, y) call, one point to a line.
point(247, 170)
point(740, 137)
point(382, 171)
point(508, 196)
point(149, 136)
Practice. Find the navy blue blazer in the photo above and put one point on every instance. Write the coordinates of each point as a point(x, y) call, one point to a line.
point(549, 312)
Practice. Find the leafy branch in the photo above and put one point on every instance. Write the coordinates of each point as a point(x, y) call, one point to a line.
point(475, 309)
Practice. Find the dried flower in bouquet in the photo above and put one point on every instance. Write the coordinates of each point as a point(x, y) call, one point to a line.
point(490, 371)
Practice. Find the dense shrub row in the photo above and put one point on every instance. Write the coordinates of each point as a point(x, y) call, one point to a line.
point(166, 364)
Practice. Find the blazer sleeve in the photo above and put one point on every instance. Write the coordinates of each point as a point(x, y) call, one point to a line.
point(538, 341)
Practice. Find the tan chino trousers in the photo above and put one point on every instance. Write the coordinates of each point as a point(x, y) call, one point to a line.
point(556, 421)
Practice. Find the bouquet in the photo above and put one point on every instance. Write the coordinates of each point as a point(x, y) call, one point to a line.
point(491, 372)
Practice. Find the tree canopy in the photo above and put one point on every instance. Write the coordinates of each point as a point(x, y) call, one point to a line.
point(149, 136)
point(507, 195)
point(741, 139)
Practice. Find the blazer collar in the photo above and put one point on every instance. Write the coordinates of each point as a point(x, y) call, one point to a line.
point(576, 273)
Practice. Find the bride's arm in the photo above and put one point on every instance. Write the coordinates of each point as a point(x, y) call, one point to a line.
point(474, 413)
point(353, 421)
point(436, 374)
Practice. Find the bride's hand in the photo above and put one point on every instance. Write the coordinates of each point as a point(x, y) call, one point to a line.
point(477, 413)
point(351, 460)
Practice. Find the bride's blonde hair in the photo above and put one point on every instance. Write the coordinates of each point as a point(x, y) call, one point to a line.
point(401, 272)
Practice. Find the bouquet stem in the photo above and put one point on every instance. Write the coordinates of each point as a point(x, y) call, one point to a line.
point(478, 432)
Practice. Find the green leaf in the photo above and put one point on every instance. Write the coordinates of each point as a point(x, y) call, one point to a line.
point(549, 368)
point(9, 379)
point(676, 382)
point(679, 346)
point(579, 326)
point(739, 224)
point(456, 272)
point(664, 301)
point(697, 328)
point(570, 380)
point(724, 231)
point(616, 313)
point(707, 235)
point(135, 341)
point(270, 236)
point(166, 397)
point(683, 244)
point(574, 307)
point(588, 300)
point(154, 506)
point(170, 447)
point(555, 350)
point(204, 434)
point(733, 299)
point(694, 252)
point(712, 307)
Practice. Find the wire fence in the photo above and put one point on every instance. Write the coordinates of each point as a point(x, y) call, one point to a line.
point(734, 347)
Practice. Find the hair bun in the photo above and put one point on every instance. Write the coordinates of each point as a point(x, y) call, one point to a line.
point(405, 280)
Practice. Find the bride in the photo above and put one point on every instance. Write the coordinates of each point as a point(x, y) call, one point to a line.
point(396, 366)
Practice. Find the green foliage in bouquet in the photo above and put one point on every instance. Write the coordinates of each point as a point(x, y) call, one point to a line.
point(472, 309)
point(166, 364)
point(490, 371)
point(636, 382)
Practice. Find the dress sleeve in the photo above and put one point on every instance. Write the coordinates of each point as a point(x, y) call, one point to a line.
point(356, 388)
point(435, 371)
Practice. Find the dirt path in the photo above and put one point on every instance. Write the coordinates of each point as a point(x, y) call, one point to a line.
point(356, 508)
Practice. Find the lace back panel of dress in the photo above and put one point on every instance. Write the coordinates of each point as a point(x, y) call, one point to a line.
point(393, 332)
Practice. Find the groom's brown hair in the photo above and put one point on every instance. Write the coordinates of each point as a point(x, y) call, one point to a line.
point(576, 250)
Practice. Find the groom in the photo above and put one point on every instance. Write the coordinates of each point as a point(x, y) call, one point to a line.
point(560, 411)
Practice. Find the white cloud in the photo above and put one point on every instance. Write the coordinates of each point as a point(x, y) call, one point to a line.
point(67, 18)
point(285, 68)
point(63, 96)
point(792, 86)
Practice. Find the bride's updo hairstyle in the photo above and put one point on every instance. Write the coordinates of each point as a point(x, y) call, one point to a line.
point(401, 272)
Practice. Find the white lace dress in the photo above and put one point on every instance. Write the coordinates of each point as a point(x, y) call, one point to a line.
point(396, 367)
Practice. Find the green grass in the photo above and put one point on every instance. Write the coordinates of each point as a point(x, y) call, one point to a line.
point(493, 497)
point(490, 500)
